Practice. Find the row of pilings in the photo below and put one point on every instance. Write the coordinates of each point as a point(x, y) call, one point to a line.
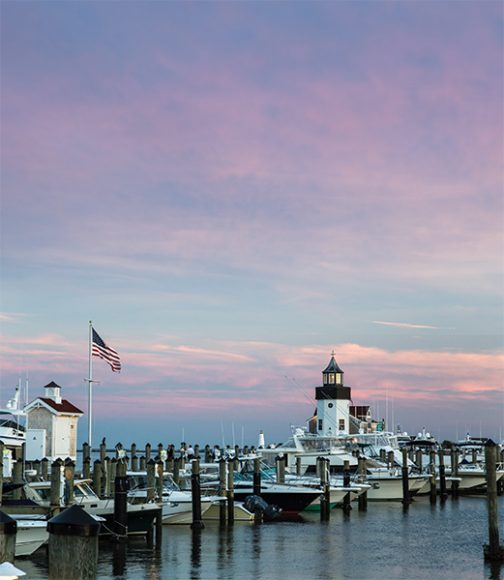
point(72, 530)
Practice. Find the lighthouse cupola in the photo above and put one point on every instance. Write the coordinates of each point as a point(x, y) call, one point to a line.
point(332, 374)
point(333, 402)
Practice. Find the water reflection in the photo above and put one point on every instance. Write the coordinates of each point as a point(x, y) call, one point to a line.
point(119, 558)
point(225, 547)
point(495, 570)
point(196, 552)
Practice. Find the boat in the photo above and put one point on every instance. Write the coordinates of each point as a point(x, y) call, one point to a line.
point(176, 503)
point(240, 512)
point(289, 498)
point(140, 516)
point(31, 533)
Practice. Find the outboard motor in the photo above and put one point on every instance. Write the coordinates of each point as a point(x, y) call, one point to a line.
point(254, 504)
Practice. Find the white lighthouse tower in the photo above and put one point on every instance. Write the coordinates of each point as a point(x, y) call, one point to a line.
point(333, 402)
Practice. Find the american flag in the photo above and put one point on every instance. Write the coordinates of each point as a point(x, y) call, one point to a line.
point(109, 355)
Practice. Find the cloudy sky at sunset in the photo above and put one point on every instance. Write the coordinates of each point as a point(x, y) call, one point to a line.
point(230, 191)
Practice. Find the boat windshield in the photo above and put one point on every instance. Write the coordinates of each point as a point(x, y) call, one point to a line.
point(83, 489)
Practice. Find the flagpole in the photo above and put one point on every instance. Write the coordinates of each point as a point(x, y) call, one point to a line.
point(90, 389)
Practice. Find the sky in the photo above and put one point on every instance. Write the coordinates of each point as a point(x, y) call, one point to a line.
point(230, 191)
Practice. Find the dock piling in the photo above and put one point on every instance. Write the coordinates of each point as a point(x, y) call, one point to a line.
point(8, 529)
point(406, 500)
point(493, 550)
point(73, 545)
point(197, 522)
point(230, 493)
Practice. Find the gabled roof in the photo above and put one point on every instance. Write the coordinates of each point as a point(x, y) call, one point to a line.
point(63, 407)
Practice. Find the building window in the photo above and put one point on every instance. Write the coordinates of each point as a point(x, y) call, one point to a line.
point(338, 379)
point(342, 424)
point(331, 379)
point(320, 424)
point(330, 405)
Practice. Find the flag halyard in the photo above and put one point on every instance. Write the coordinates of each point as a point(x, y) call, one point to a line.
point(109, 355)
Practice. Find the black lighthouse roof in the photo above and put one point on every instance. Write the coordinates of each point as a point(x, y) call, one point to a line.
point(332, 367)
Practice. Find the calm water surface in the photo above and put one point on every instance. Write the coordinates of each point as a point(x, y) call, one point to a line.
point(385, 542)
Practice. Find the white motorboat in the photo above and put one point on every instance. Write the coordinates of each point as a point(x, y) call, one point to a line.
point(140, 515)
point(176, 503)
point(31, 533)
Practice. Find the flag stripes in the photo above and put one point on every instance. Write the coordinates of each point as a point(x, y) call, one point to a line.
point(109, 355)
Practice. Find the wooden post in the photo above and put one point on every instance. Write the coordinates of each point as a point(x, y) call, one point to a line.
point(106, 483)
point(86, 468)
point(44, 468)
point(390, 459)
point(324, 498)
point(493, 550)
point(8, 529)
point(55, 493)
point(419, 460)
point(222, 490)
point(86, 452)
point(346, 483)
point(97, 477)
point(208, 454)
point(230, 493)
point(151, 480)
point(69, 472)
point(383, 455)
point(362, 496)
point(159, 480)
point(120, 501)
point(280, 468)
point(176, 470)
point(442, 475)
point(454, 472)
point(17, 476)
point(197, 522)
point(143, 463)
point(111, 477)
point(134, 458)
point(257, 476)
point(73, 545)
point(103, 451)
point(148, 449)
point(432, 464)
point(406, 500)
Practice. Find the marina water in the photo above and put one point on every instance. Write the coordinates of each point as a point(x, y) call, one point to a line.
point(443, 541)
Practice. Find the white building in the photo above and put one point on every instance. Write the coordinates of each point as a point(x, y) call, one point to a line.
point(51, 426)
